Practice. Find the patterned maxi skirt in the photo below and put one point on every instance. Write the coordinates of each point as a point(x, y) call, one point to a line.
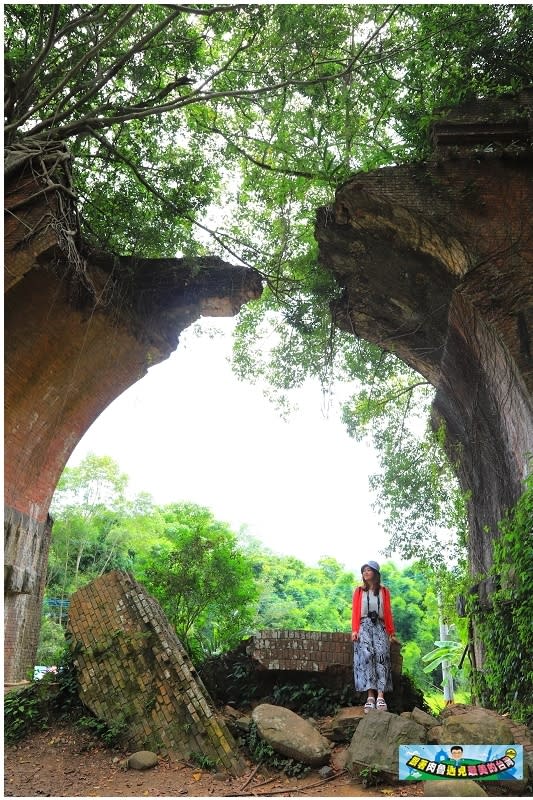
point(371, 658)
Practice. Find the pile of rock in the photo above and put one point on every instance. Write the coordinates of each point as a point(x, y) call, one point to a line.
point(373, 739)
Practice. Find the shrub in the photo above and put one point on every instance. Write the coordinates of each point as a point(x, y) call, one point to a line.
point(506, 681)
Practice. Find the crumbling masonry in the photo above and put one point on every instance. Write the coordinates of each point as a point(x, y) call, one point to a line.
point(81, 326)
point(134, 674)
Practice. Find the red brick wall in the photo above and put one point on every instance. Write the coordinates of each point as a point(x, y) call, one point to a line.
point(436, 262)
point(77, 334)
point(309, 651)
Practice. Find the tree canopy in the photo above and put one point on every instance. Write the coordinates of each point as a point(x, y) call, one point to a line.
point(169, 108)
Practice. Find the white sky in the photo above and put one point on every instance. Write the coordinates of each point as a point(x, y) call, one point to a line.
point(190, 431)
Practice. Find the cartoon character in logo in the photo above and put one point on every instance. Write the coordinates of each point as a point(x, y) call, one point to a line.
point(456, 757)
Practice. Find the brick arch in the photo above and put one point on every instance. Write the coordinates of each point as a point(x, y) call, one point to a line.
point(436, 264)
point(75, 339)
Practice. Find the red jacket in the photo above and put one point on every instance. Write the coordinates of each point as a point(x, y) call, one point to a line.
point(387, 610)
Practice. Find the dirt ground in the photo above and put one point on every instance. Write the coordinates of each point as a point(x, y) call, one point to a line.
point(65, 761)
point(68, 762)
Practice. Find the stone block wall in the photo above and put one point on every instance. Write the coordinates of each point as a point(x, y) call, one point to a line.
point(133, 672)
point(26, 545)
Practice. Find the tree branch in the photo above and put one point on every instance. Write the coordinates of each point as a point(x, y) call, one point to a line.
point(408, 390)
point(27, 77)
point(263, 164)
point(169, 203)
point(128, 113)
point(126, 16)
point(112, 71)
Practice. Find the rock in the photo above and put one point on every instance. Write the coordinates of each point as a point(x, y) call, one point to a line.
point(376, 740)
point(143, 759)
point(475, 725)
point(343, 725)
point(220, 777)
point(325, 772)
point(434, 734)
point(231, 712)
point(291, 735)
point(424, 719)
point(242, 724)
point(338, 759)
point(521, 785)
point(462, 788)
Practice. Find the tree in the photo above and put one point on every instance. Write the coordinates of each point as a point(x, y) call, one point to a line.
point(96, 527)
point(152, 98)
point(417, 493)
point(158, 104)
point(203, 582)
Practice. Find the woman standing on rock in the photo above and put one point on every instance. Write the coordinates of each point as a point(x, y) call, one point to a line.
point(372, 631)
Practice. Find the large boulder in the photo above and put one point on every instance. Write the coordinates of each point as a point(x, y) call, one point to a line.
point(472, 725)
point(376, 740)
point(291, 735)
point(463, 788)
point(143, 759)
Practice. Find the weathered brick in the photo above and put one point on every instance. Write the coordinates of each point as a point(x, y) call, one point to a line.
point(120, 670)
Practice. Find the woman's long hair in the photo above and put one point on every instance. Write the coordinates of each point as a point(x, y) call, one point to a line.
point(377, 585)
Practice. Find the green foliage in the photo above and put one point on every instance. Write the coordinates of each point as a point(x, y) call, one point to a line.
point(447, 650)
point(436, 703)
point(296, 595)
point(35, 707)
point(96, 528)
point(52, 644)
point(23, 712)
point(161, 104)
point(262, 753)
point(203, 582)
point(417, 494)
point(310, 699)
point(506, 682)
point(111, 735)
point(371, 776)
point(203, 761)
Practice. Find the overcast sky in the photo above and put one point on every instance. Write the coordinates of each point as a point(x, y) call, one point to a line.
point(190, 431)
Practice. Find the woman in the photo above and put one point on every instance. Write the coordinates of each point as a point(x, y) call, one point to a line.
point(372, 631)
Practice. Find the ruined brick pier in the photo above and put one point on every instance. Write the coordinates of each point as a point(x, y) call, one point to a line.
point(134, 674)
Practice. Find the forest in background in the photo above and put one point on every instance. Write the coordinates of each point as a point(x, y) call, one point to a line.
point(216, 586)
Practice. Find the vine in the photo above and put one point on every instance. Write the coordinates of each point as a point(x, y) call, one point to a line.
point(506, 681)
point(262, 753)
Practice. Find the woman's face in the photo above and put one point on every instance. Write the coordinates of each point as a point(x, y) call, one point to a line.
point(369, 575)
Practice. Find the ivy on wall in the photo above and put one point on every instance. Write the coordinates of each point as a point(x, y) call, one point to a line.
point(506, 681)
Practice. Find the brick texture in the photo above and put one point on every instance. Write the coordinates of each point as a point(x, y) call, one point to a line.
point(133, 671)
point(26, 545)
point(78, 332)
point(309, 651)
